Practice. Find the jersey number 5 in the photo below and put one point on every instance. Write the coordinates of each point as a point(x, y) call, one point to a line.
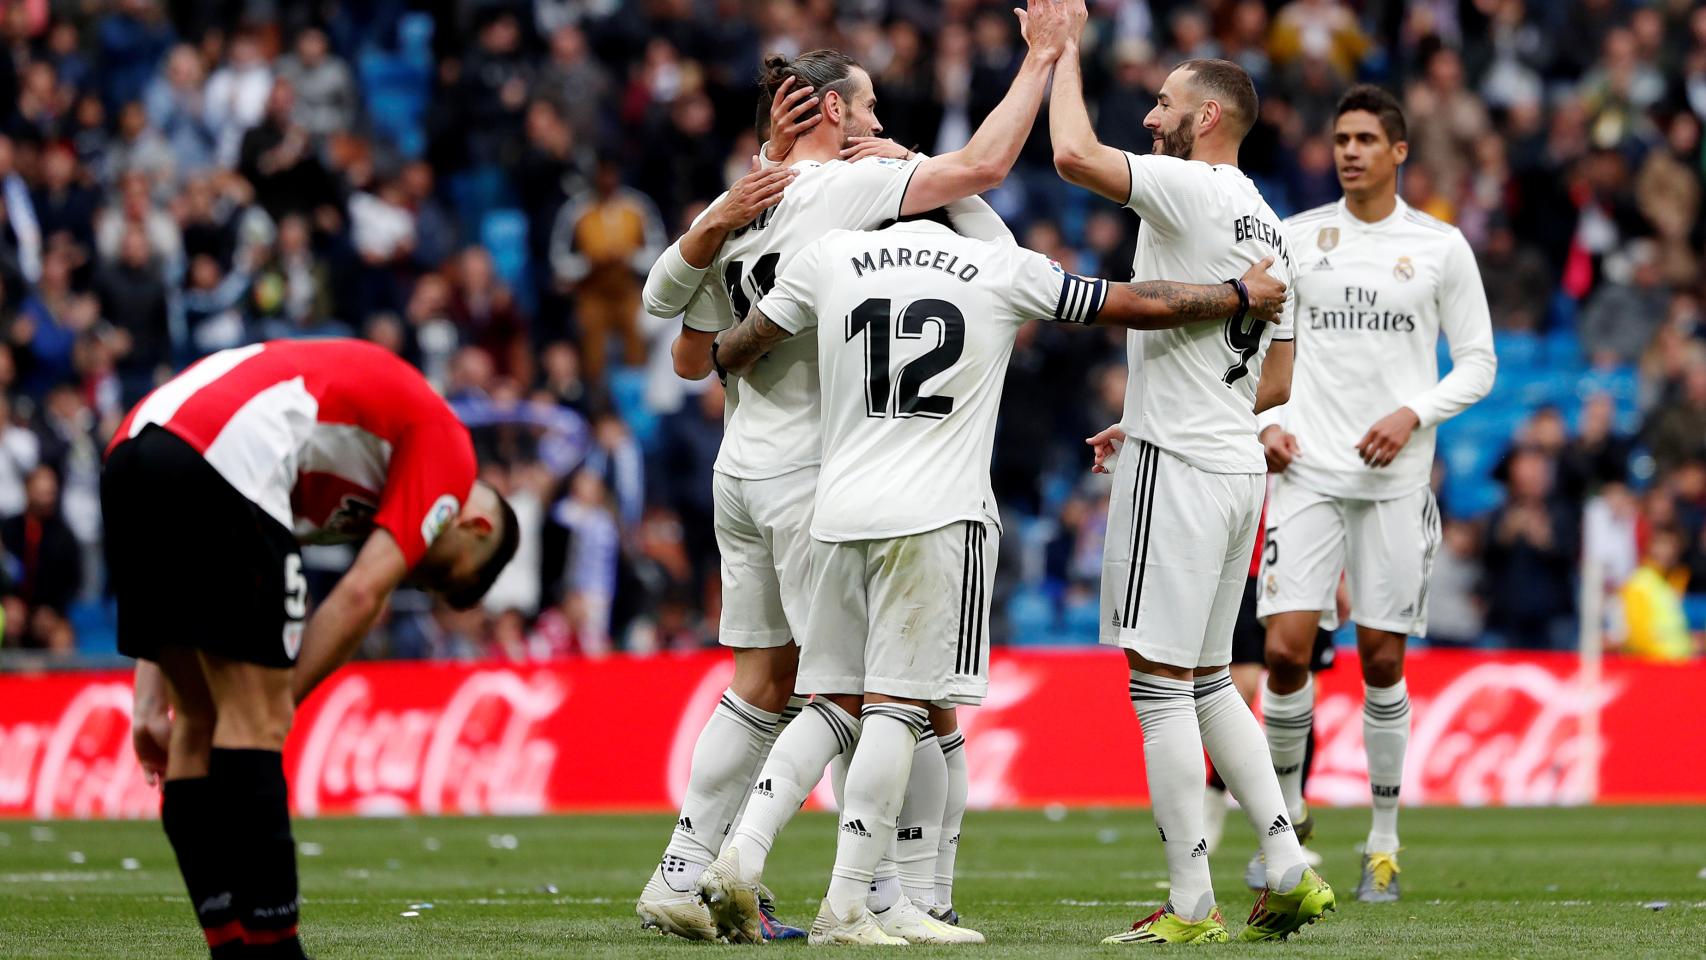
point(871, 319)
point(1244, 337)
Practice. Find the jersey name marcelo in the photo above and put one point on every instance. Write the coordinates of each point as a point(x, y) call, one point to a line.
point(942, 260)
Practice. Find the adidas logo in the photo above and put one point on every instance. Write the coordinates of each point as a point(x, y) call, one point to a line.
point(1116, 620)
point(1200, 850)
point(856, 828)
point(762, 788)
point(909, 833)
point(1322, 264)
point(685, 824)
point(1385, 793)
point(1408, 611)
point(1162, 832)
point(1280, 825)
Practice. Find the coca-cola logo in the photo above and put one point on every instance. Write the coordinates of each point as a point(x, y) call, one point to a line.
point(1499, 733)
point(79, 765)
point(478, 752)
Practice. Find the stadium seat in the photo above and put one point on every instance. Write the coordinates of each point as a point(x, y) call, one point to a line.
point(396, 93)
point(1030, 615)
point(1082, 621)
point(628, 391)
point(96, 624)
point(504, 235)
point(1564, 350)
point(414, 38)
point(1518, 350)
point(1694, 608)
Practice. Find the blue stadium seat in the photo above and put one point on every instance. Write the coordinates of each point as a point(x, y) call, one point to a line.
point(414, 37)
point(504, 235)
point(1082, 622)
point(396, 91)
point(1694, 608)
point(1518, 350)
point(628, 391)
point(1564, 350)
point(1030, 614)
point(95, 622)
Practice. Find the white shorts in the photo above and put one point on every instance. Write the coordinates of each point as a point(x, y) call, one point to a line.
point(907, 617)
point(1384, 547)
point(763, 532)
point(1177, 556)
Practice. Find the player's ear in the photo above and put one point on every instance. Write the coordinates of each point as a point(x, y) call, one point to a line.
point(477, 524)
point(1208, 116)
point(1400, 152)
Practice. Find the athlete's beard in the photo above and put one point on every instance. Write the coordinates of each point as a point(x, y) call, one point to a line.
point(1181, 140)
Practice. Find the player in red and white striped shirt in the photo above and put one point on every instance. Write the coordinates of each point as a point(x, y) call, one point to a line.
point(210, 484)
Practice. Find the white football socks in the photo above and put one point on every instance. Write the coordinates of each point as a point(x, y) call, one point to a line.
point(953, 814)
point(1173, 762)
point(1235, 743)
point(727, 754)
point(876, 788)
point(1385, 735)
point(795, 766)
point(919, 832)
point(1288, 717)
point(796, 703)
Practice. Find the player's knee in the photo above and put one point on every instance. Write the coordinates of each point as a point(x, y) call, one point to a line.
point(765, 684)
point(1288, 662)
point(1382, 663)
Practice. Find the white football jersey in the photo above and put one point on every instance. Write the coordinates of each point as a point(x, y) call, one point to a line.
point(1191, 390)
point(915, 325)
point(1372, 300)
point(771, 417)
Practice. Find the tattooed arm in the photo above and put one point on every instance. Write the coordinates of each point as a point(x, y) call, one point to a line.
point(739, 347)
point(1160, 304)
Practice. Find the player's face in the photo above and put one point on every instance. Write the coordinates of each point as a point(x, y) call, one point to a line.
point(859, 108)
point(1366, 160)
point(1173, 122)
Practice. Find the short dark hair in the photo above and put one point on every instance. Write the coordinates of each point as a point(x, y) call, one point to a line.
point(509, 539)
point(1380, 102)
point(1229, 85)
point(822, 70)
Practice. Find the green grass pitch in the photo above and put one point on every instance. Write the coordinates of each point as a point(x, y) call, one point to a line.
point(1493, 883)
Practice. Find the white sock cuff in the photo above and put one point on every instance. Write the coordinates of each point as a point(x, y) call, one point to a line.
point(952, 743)
point(796, 703)
point(913, 717)
point(761, 722)
point(1397, 695)
point(1147, 687)
point(1298, 703)
point(844, 725)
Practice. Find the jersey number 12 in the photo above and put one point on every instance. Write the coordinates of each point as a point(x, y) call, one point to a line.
point(898, 395)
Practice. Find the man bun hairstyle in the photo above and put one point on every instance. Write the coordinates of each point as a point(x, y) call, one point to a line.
point(509, 539)
point(1380, 102)
point(822, 70)
point(1229, 85)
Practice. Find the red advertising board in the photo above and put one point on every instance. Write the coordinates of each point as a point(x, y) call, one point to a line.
point(617, 734)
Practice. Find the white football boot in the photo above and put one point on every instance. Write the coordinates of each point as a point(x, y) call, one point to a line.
point(861, 929)
point(733, 902)
point(679, 912)
point(913, 925)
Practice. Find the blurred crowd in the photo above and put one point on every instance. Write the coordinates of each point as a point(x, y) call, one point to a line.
point(482, 186)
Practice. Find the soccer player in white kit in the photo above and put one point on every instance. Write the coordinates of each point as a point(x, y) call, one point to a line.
point(1377, 283)
point(918, 324)
point(766, 471)
point(1188, 486)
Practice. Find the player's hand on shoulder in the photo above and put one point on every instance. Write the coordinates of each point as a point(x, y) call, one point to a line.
point(786, 127)
point(858, 148)
point(1381, 444)
point(1106, 446)
point(753, 194)
point(1279, 447)
point(1267, 293)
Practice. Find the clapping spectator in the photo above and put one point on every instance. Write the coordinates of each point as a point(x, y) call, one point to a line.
point(601, 247)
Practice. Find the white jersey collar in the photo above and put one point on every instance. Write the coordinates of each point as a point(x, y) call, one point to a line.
point(1397, 214)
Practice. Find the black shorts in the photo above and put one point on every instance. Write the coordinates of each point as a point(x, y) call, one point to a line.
point(1250, 638)
point(194, 563)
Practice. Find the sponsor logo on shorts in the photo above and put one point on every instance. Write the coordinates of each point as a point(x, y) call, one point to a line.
point(443, 511)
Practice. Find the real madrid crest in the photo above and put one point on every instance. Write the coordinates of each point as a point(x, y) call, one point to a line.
point(1404, 269)
point(1327, 238)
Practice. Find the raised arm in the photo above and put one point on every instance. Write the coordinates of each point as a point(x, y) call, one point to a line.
point(982, 164)
point(1079, 157)
point(737, 349)
point(681, 268)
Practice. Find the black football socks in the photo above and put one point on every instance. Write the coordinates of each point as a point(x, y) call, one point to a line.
point(251, 783)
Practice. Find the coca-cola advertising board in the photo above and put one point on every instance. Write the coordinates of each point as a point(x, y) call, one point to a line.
point(618, 734)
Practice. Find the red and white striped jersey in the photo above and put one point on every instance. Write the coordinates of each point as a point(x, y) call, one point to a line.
point(331, 438)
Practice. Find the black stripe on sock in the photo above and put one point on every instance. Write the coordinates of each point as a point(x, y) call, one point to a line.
point(952, 742)
point(837, 726)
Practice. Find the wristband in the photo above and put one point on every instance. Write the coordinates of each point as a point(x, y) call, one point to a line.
point(717, 365)
point(1243, 300)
